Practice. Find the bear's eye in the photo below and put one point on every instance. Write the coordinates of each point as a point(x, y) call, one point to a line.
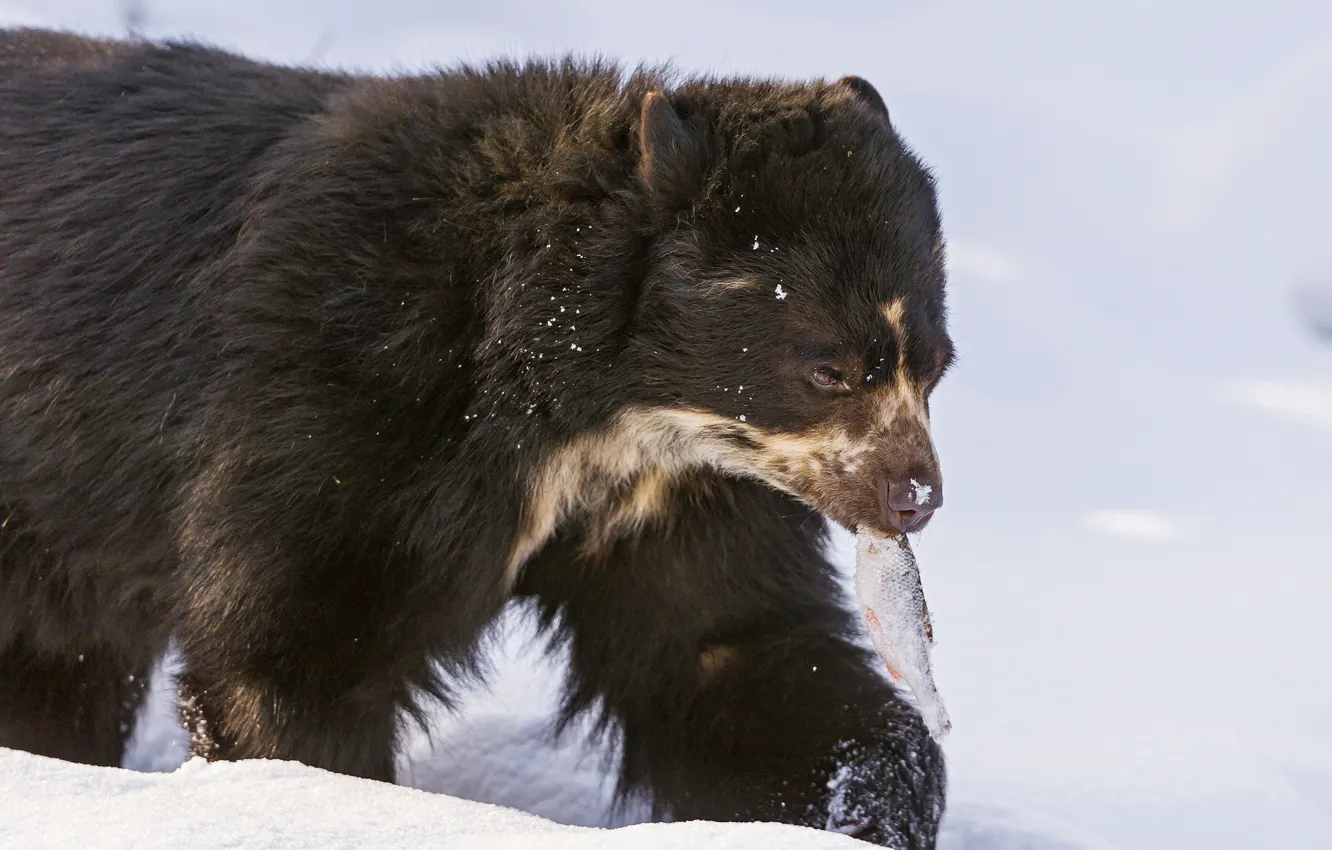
point(827, 378)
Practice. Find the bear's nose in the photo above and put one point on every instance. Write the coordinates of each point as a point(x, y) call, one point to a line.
point(909, 502)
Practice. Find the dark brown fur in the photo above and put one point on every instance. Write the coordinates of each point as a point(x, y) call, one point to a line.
point(316, 372)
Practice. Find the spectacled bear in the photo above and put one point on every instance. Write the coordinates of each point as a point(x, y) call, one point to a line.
point(314, 372)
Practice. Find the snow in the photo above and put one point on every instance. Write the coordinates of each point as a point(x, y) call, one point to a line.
point(1305, 401)
point(271, 804)
point(1131, 694)
point(922, 491)
point(497, 749)
point(1314, 300)
point(1129, 583)
point(1144, 525)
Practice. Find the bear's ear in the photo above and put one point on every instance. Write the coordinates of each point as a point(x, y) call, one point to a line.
point(865, 93)
point(669, 155)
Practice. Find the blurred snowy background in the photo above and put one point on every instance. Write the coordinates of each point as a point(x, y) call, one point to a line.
point(1130, 582)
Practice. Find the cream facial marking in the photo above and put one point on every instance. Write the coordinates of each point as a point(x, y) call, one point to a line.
point(907, 397)
point(622, 477)
point(892, 314)
point(624, 474)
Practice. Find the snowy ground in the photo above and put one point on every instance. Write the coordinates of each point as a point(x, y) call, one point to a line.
point(1103, 697)
point(497, 749)
point(1130, 580)
point(265, 804)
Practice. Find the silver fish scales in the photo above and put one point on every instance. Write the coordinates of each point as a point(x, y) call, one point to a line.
point(892, 603)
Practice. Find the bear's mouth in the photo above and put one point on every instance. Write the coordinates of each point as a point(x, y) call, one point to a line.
point(841, 476)
point(625, 471)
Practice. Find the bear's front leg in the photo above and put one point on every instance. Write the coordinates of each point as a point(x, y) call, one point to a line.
point(250, 693)
point(229, 720)
point(308, 630)
point(791, 726)
point(719, 642)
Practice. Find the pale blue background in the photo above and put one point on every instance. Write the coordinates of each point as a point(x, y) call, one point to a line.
point(1131, 576)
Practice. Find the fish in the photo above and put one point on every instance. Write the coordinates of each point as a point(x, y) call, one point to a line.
point(892, 603)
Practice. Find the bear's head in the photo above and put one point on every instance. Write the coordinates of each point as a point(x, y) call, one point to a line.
point(792, 326)
point(784, 323)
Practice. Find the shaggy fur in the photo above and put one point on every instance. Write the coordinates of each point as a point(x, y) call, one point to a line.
point(316, 372)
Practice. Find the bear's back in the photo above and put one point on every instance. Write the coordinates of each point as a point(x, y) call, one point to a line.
point(123, 169)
